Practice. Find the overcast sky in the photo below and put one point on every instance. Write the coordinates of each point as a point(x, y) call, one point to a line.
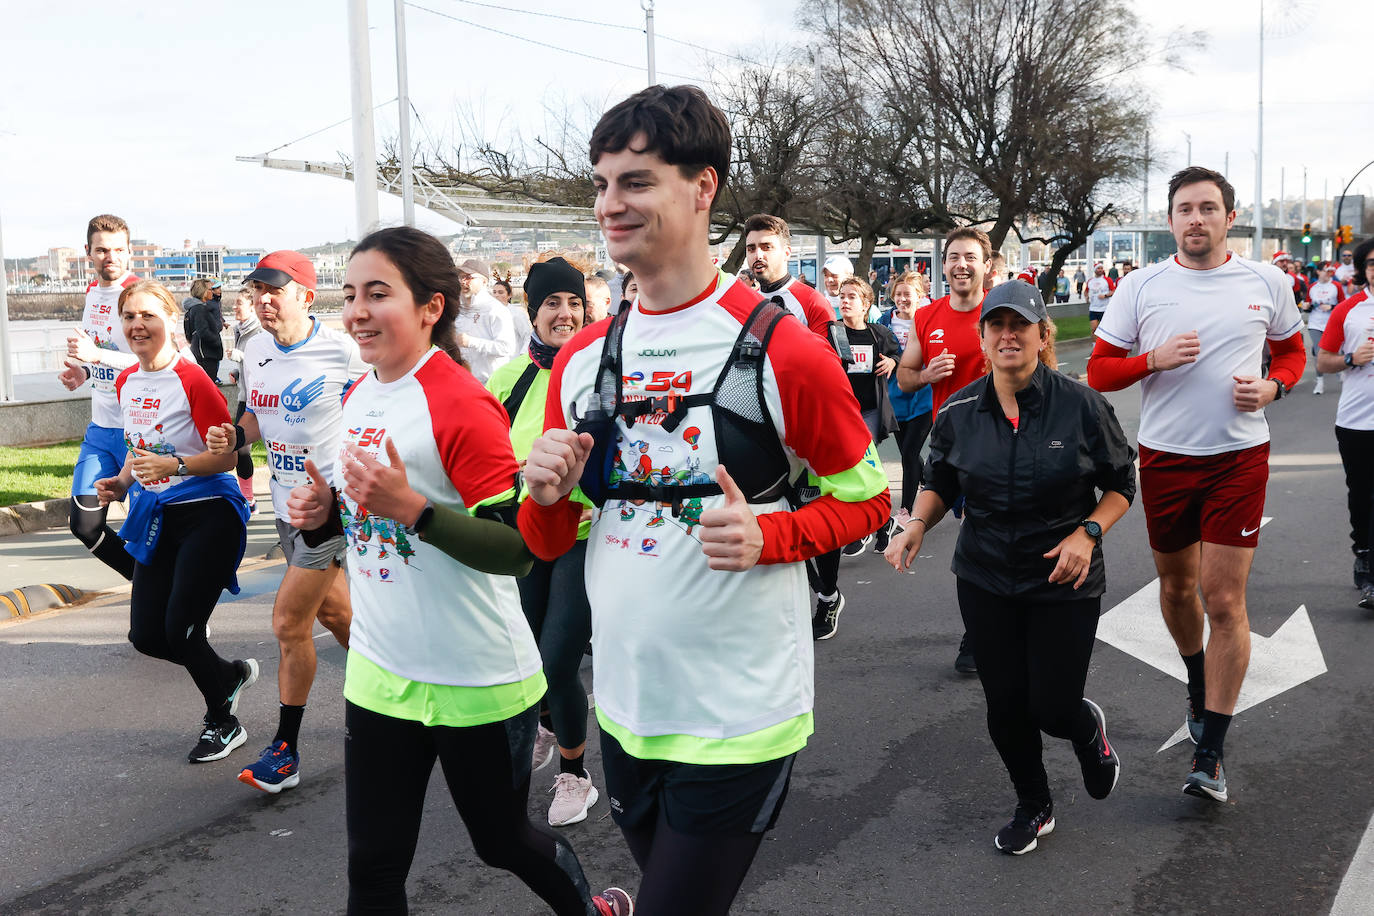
point(140, 108)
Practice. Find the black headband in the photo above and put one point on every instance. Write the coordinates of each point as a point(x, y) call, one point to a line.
point(553, 276)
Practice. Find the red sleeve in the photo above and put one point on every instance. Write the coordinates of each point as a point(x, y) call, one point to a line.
point(1333, 338)
point(820, 527)
point(819, 314)
point(1288, 357)
point(208, 407)
point(119, 381)
point(1110, 368)
point(470, 431)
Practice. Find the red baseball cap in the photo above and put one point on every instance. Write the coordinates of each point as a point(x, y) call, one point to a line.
point(281, 267)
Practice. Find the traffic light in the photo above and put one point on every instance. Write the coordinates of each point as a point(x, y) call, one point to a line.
point(1307, 233)
point(1347, 234)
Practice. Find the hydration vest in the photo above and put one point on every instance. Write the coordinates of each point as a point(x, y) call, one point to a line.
point(746, 440)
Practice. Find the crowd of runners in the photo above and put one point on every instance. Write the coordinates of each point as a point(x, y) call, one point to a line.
point(469, 491)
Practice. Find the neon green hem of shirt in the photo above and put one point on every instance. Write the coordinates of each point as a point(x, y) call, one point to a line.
point(766, 744)
point(372, 687)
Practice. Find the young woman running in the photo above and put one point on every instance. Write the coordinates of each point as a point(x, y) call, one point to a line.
point(554, 594)
point(441, 664)
point(186, 524)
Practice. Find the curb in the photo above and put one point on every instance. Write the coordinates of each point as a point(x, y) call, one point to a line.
point(26, 517)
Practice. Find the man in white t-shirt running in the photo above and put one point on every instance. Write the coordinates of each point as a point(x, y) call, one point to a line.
point(486, 331)
point(1345, 272)
point(97, 351)
point(1200, 320)
point(295, 376)
point(1323, 297)
point(1100, 289)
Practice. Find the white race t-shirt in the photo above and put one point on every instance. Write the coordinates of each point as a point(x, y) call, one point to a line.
point(100, 321)
point(1099, 289)
point(1325, 297)
point(491, 334)
point(296, 393)
point(1233, 308)
point(168, 411)
point(1351, 324)
point(417, 612)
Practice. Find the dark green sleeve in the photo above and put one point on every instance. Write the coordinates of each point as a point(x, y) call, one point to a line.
point(488, 542)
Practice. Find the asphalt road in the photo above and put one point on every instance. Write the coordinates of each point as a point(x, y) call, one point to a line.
point(892, 809)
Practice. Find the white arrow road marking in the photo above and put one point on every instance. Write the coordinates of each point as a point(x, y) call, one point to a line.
point(1280, 662)
point(1357, 887)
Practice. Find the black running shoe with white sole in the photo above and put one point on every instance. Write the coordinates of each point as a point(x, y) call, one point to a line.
point(963, 662)
point(1030, 822)
point(826, 622)
point(246, 670)
point(883, 536)
point(856, 548)
point(217, 739)
point(1101, 766)
point(1208, 778)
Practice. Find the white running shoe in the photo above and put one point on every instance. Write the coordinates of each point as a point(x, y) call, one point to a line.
point(573, 797)
point(1320, 385)
point(545, 744)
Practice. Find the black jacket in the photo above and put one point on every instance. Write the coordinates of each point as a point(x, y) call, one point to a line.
point(1027, 489)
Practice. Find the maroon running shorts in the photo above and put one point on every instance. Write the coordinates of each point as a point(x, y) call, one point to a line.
point(1214, 498)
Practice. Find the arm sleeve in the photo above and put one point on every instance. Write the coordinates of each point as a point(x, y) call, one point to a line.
point(820, 527)
point(501, 331)
point(488, 544)
point(1111, 368)
point(551, 531)
point(1289, 358)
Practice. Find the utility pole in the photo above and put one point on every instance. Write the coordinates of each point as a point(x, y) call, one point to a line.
point(1189, 137)
point(1259, 150)
point(1283, 202)
point(648, 7)
point(820, 235)
point(1304, 195)
point(403, 100)
point(1145, 194)
point(364, 137)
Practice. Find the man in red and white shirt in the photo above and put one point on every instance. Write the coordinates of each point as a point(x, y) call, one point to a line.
point(701, 620)
point(98, 351)
point(1200, 320)
point(1347, 345)
point(767, 247)
point(1284, 262)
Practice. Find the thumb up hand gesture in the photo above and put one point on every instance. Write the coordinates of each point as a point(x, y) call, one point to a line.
point(730, 535)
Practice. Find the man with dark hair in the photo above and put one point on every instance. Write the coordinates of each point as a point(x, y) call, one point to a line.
point(704, 681)
point(1204, 441)
point(767, 248)
point(98, 351)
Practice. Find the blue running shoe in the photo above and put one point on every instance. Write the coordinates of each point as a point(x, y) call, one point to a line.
point(278, 768)
point(1208, 778)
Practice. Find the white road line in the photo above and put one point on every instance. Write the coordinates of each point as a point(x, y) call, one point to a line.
point(1357, 887)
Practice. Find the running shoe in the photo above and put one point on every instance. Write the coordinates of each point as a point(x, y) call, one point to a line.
point(217, 739)
point(826, 622)
point(573, 797)
point(278, 768)
point(613, 902)
point(882, 536)
point(1320, 386)
point(963, 662)
point(1367, 596)
point(545, 744)
point(856, 548)
point(1362, 577)
point(1101, 766)
point(1193, 720)
point(1031, 821)
point(247, 671)
point(1208, 778)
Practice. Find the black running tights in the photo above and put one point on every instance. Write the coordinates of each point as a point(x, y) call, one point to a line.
point(1357, 454)
point(686, 875)
point(1033, 661)
point(387, 764)
point(244, 464)
point(554, 596)
point(911, 437)
point(174, 595)
point(823, 573)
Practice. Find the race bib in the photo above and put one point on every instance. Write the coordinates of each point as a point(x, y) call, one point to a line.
point(863, 359)
point(287, 460)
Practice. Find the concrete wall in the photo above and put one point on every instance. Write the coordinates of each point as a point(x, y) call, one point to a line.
point(44, 422)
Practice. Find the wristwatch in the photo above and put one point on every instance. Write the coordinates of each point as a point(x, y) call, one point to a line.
point(182, 470)
point(1278, 384)
point(1094, 530)
point(421, 523)
point(1350, 360)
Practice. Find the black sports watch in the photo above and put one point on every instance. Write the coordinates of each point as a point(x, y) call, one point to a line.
point(182, 470)
point(421, 523)
point(1350, 360)
point(1094, 530)
point(1278, 384)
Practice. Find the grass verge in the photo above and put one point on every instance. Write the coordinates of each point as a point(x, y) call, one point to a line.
point(1072, 328)
point(38, 472)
